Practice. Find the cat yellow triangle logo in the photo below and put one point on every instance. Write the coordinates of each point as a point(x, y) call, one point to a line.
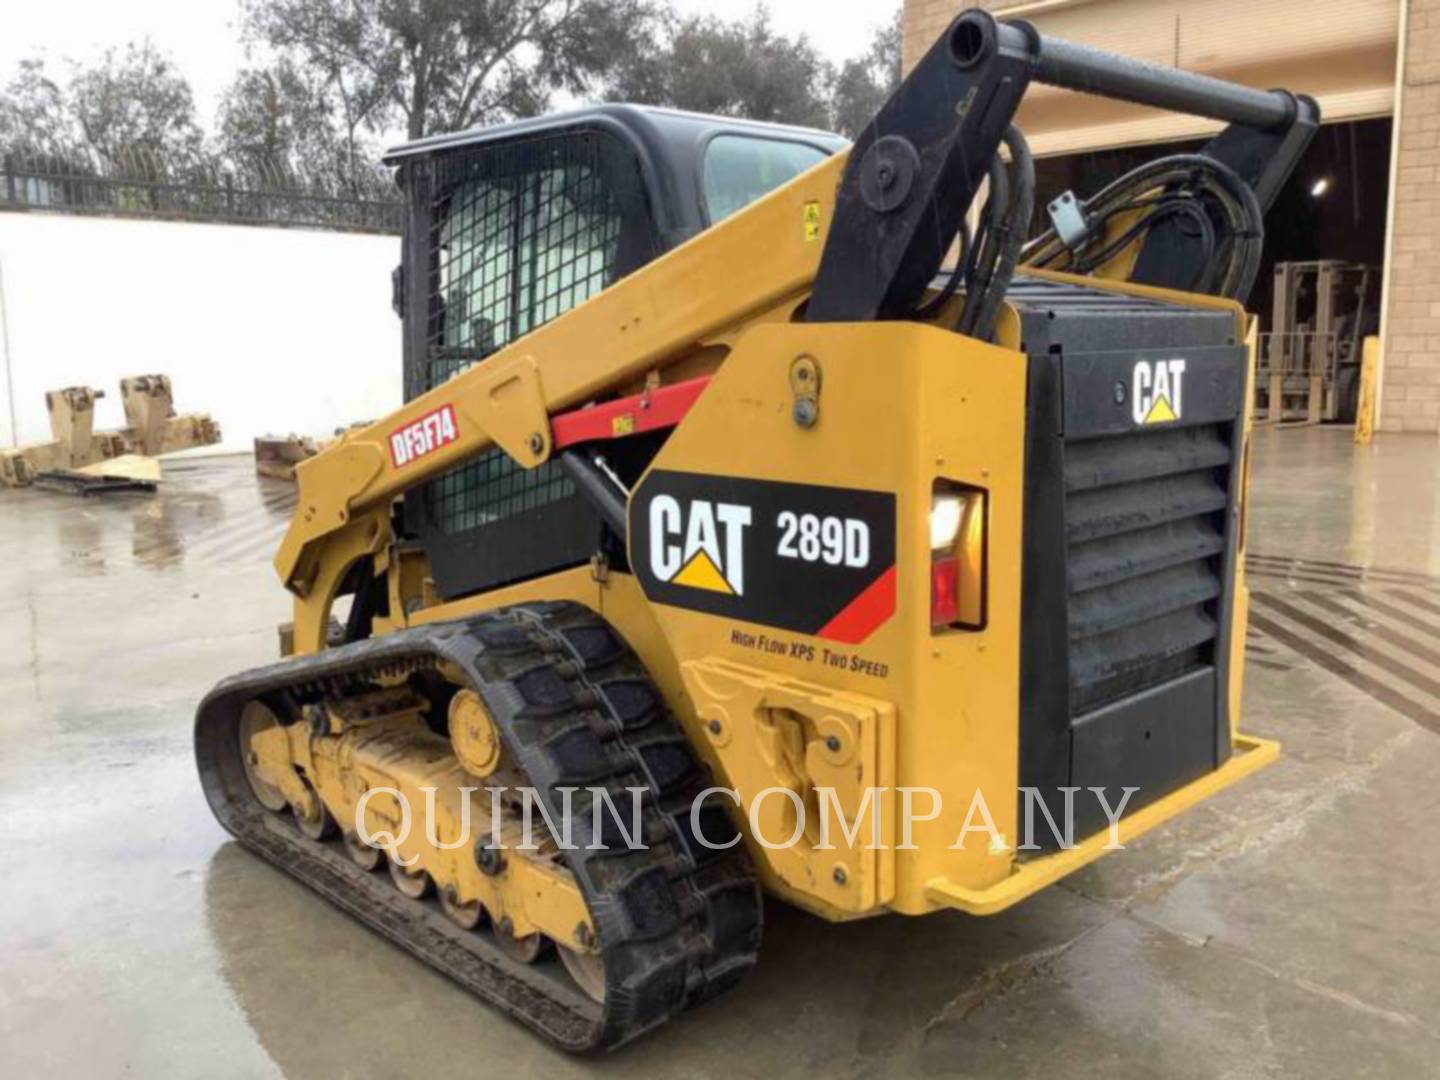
point(1161, 413)
point(702, 573)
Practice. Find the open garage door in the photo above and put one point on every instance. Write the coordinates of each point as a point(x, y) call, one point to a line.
point(1342, 52)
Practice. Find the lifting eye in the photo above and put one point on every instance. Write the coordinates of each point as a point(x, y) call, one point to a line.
point(970, 40)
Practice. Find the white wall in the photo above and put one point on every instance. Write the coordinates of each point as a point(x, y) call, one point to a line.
point(269, 330)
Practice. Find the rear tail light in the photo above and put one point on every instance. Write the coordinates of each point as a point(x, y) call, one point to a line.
point(957, 557)
point(944, 590)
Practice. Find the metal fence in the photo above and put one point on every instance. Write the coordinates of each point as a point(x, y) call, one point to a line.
point(140, 183)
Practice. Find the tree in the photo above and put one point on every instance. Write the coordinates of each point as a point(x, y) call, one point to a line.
point(33, 110)
point(282, 120)
point(742, 68)
point(865, 83)
point(443, 65)
point(135, 104)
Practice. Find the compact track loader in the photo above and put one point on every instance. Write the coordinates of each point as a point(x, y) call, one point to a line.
point(759, 521)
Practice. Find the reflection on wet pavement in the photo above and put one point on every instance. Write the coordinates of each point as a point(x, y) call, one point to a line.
point(211, 511)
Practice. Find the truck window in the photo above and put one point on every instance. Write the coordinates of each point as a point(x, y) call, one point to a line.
point(740, 169)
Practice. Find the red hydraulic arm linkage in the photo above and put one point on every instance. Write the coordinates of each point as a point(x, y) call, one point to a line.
point(662, 407)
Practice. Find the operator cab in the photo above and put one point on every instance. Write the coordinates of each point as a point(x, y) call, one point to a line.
point(512, 226)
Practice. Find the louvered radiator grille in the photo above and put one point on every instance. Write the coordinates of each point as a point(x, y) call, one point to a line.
point(1145, 537)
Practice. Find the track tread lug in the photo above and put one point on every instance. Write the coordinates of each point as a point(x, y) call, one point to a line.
point(633, 703)
point(577, 756)
point(504, 639)
point(544, 690)
point(595, 646)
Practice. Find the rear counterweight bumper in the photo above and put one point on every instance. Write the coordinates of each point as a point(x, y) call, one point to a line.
point(1250, 755)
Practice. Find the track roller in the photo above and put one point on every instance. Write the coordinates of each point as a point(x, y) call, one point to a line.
point(412, 881)
point(466, 916)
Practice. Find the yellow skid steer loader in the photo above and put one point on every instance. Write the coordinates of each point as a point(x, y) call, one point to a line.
point(756, 524)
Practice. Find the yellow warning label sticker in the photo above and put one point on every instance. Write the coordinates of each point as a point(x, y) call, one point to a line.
point(812, 222)
point(623, 424)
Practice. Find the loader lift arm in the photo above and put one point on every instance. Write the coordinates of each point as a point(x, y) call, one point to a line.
point(890, 210)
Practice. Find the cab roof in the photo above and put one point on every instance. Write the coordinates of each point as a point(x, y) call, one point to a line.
point(659, 129)
point(668, 145)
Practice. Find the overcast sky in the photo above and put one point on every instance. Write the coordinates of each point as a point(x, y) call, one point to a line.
point(202, 35)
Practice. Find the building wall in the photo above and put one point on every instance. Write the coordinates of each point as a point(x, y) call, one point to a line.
point(267, 329)
point(1411, 391)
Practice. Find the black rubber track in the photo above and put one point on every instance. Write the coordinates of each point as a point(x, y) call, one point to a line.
point(677, 922)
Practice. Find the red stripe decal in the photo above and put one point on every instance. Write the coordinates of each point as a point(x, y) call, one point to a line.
point(663, 407)
point(865, 614)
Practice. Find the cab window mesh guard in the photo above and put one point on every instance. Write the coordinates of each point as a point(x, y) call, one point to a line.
point(518, 235)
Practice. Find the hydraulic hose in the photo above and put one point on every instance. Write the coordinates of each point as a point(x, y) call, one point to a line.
point(928, 310)
point(1201, 175)
point(1017, 226)
point(992, 227)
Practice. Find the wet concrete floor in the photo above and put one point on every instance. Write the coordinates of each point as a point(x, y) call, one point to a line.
point(1286, 928)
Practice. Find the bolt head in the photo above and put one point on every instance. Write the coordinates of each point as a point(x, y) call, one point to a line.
point(537, 443)
point(839, 875)
point(490, 860)
point(806, 412)
point(832, 743)
point(714, 727)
